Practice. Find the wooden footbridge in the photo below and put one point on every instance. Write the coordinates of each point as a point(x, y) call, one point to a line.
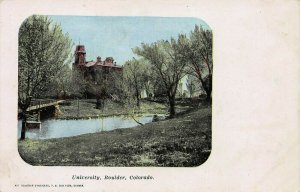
point(38, 106)
point(41, 104)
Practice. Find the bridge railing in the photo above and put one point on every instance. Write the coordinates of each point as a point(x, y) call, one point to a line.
point(36, 102)
point(41, 103)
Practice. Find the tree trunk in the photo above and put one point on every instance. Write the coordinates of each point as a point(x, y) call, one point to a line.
point(172, 105)
point(207, 86)
point(208, 96)
point(24, 106)
point(98, 103)
point(137, 99)
point(138, 102)
point(23, 129)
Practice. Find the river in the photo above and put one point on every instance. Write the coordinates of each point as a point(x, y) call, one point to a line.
point(57, 128)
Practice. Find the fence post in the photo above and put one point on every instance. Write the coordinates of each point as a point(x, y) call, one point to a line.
point(77, 107)
point(38, 116)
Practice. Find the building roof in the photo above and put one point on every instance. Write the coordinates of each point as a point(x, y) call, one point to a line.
point(95, 63)
point(90, 63)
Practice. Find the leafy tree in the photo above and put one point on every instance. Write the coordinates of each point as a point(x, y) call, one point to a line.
point(43, 51)
point(158, 87)
point(148, 78)
point(61, 85)
point(199, 55)
point(99, 87)
point(191, 86)
point(78, 85)
point(103, 84)
point(168, 62)
point(136, 77)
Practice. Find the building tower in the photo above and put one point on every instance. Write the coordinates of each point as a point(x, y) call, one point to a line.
point(79, 56)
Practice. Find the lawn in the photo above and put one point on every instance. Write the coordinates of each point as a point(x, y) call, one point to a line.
point(87, 109)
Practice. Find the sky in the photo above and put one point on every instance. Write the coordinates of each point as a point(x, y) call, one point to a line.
point(116, 36)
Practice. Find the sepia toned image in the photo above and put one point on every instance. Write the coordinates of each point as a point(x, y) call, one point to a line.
point(114, 91)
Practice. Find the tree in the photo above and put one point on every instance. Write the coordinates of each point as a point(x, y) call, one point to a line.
point(190, 84)
point(199, 54)
point(100, 88)
point(61, 85)
point(136, 77)
point(104, 83)
point(168, 62)
point(148, 78)
point(43, 51)
point(78, 85)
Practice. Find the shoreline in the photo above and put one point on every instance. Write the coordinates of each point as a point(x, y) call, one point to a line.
point(87, 110)
point(107, 115)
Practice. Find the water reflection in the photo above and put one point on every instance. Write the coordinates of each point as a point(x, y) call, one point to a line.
point(54, 128)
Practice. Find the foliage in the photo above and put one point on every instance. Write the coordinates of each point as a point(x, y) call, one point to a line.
point(44, 50)
point(103, 83)
point(167, 63)
point(191, 86)
point(78, 85)
point(199, 57)
point(135, 74)
point(61, 86)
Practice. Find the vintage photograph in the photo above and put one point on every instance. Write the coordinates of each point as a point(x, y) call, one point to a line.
point(114, 91)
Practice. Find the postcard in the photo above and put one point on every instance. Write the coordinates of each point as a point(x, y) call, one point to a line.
point(139, 96)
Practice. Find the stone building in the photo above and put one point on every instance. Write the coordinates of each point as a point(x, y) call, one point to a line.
point(91, 68)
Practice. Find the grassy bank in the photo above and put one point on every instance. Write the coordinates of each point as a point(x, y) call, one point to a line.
point(182, 141)
point(87, 109)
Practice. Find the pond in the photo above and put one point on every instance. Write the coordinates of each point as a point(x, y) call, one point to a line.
point(57, 128)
